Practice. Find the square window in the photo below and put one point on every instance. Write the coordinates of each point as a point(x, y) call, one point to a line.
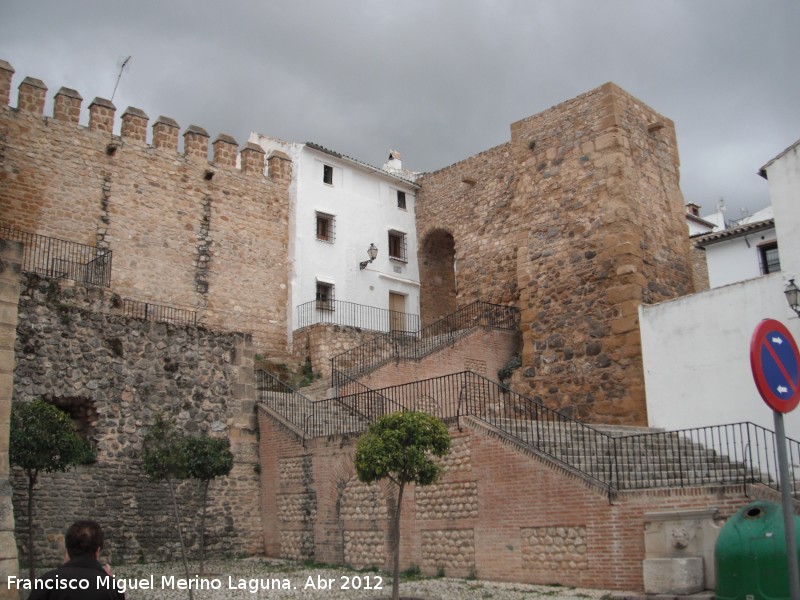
point(327, 174)
point(325, 297)
point(325, 227)
point(401, 199)
point(769, 258)
point(397, 246)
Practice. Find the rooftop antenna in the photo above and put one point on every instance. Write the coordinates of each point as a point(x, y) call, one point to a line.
point(122, 66)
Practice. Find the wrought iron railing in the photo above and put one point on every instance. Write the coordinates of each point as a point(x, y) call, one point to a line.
point(338, 312)
point(52, 257)
point(733, 454)
point(317, 418)
point(158, 312)
point(396, 346)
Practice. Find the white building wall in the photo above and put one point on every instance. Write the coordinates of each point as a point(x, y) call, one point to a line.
point(363, 203)
point(696, 349)
point(736, 259)
point(696, 353)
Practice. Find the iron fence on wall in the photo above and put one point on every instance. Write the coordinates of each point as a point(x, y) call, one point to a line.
point(350, 314)
point(732, 454)
point(395, 346)
point(158, 312)
point(61, 259)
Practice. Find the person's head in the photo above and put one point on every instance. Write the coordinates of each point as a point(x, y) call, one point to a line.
point(83, 538)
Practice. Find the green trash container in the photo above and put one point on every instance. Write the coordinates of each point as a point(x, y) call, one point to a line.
point(750, 555)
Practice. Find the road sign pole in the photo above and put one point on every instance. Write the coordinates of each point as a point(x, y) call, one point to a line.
point(788, 506)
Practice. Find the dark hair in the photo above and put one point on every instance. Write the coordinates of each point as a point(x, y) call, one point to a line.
point(83, 538)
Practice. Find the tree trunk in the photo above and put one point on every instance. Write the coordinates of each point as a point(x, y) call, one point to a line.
point(203, 528)
point(180, 533)
point(396, 557)
point(31, 482)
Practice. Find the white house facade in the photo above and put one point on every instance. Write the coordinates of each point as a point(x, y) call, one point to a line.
point(696, 349)
point(340, 210)
point(746, 250)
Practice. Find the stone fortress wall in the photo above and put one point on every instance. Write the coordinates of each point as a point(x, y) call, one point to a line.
point(184, 231)
point(577, 220)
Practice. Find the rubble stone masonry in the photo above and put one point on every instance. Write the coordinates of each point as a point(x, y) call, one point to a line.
point(113, 375)
point(577, 220)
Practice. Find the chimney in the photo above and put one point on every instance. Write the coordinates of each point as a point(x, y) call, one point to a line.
point(395, 161)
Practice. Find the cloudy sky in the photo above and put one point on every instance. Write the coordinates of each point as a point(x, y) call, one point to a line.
point(438, 80)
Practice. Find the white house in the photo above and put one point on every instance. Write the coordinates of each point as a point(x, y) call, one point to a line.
point(742, 251)
point(696, 349)
point(340, 209)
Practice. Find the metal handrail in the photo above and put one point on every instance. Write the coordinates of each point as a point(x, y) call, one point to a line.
point(442, 333)
point(732, 454)
point(61, 259)
point(350, 314)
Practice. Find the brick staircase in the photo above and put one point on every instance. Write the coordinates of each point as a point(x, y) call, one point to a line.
point(629, 458)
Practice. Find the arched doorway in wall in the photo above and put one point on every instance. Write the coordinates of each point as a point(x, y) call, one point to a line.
point(437, 275)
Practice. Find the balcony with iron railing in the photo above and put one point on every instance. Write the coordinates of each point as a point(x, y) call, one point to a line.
point(732, 454)
point(350, 314)
point(54, 258)
point(61, 259)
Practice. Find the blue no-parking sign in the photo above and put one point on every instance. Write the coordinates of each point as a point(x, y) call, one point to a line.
point(775, 361)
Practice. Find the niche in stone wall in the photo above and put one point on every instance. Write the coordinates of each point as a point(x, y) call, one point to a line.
point(82, 412)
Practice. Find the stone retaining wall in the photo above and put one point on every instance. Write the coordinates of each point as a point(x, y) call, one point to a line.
point(114, 375)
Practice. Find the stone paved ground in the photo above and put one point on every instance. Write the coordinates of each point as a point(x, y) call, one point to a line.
point(326, 583)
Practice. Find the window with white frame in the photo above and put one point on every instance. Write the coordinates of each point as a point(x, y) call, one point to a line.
point(401, 199)
point(325, 227)
point(397, 246)
point(325, 298)
point(769, 258)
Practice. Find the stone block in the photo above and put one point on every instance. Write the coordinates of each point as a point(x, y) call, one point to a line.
point(673, 575)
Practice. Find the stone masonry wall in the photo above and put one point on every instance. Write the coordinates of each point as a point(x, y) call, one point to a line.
point(186, 232)
point(114, 375)
point(10, 261)
point(502, 512)
point(577, 220)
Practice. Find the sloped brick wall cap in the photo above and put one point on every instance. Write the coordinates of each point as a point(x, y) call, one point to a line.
point(136, 112)
point(253, 147)
point(69, 93)
point(4, 66)
point(223, 137)
point(167, 121)
point(33, 82)
point(279, 154)
point(103, 102)
point(196, 130)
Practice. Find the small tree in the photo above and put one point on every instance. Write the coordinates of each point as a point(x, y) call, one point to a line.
point(43, 438)
point(400, 447)
point(164, 459)
point(206, 458)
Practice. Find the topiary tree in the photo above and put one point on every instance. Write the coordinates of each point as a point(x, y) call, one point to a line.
point(206, 459)
point(42, 438)
point(164, 459)
point(401, 447)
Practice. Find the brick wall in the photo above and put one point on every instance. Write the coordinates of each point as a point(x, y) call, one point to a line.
point(577, 220)
point(184, 231)
point(501, 512)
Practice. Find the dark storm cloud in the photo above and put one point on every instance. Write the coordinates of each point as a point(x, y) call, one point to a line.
point(437, 80)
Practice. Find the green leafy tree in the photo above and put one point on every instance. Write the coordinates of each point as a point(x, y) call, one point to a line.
point(206, 459)
point(164, 459)
point(401, 447)
point(42, 438)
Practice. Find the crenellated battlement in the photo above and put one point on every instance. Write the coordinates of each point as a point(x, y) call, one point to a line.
point(250, 159)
